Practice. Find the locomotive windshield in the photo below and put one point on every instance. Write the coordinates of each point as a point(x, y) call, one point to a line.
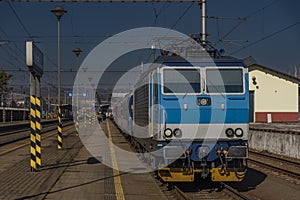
point(224, 80)
point(181, 80)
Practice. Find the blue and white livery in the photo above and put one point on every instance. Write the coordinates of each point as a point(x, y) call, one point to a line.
point(195, 112)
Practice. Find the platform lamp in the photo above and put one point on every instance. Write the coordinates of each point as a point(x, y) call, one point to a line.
point(77, 51)
point(58, 11)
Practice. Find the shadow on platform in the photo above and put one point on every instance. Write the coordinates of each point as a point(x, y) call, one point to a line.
point(71, 187)
point(89, 161)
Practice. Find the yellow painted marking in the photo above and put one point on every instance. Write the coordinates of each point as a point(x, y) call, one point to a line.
point(32, 112)
point(117, 179)
point(38, 161)
point(37, 114)
point(59, 139)
point(59, 129)
point(27, 143)
point(32, 125)
point(32, 164)
point(38, 126)
point(32, 151)
point(38, 137)
point(38, 149)
point(38, 102)
point(32, 138)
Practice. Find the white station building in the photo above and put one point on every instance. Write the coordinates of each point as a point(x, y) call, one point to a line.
point(273, 95)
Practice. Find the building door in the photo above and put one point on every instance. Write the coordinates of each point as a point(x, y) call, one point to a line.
point(251, 107)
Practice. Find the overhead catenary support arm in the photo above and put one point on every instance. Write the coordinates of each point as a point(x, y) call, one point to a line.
point(203, 22)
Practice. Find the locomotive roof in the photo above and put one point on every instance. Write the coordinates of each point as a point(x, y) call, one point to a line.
point(177, 59)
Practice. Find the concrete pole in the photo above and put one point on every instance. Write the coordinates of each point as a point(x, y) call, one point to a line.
point(32, 124)
point(58, 61)
point(203, 22)
point(38, 115)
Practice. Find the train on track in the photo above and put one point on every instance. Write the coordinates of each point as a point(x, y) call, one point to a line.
point(190, 117)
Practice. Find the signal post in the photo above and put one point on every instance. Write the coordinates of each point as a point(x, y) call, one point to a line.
point(34, 61)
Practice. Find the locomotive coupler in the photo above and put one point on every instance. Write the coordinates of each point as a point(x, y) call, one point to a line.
point(187, 162)
point(205, 170)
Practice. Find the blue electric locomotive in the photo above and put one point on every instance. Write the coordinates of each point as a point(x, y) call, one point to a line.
point(195, 112)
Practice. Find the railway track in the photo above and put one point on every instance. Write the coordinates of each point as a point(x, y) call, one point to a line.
point(24, 133)
point(20, 143)
point(275, 163)
point(233, 192)
point(195, 190)
point(223, 192)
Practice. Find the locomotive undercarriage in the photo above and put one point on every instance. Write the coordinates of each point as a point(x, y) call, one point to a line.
point(184, 171)
point(224, 168)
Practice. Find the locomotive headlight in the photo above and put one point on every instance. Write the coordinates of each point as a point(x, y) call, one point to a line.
point(177, 133)
point(168, 133)
point(203, 102)
point(239, 132)
point(229, 132)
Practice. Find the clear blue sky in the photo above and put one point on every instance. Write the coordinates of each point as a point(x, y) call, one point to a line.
point(87, 24)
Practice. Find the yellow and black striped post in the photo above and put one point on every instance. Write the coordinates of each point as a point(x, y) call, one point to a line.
point(38, 130)
point(59, 130)
point(32, 134)
point(77, 122)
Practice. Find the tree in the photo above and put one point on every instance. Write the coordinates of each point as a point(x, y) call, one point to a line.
point(4, 78)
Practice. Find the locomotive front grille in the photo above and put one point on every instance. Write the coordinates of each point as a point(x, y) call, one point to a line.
point(237, 152)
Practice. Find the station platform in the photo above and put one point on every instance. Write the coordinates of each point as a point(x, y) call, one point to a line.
point(72, 173)
point(24, 123)
point(286, 127)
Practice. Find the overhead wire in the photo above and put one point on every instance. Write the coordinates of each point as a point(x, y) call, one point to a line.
point(244, 19)
point(8, 46)
point(173, 26)
point(157, 13)
point(182, 15)
point(266, 37)
point(26, 30)
point(18, 18)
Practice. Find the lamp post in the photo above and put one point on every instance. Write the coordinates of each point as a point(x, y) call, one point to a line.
point(58, 11)
point(77, 51)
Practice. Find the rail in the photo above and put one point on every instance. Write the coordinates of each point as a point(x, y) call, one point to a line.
point(234, 192)
point(275, 163)
point(11, 137)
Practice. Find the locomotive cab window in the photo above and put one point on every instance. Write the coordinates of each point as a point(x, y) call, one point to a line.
point(224, 80)
point(182, 80)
